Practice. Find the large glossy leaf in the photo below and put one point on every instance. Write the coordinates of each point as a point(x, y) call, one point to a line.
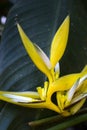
point(40, 20)
point(13, 1)
point(76, 54)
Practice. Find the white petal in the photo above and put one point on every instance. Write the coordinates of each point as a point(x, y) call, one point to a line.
point(21, 99)
point(78, 98)
point(57, 68)
point(71, 92)
point(43, 56)
point(83, 79)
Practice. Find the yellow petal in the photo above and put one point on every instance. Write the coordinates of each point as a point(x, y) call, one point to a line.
point(84, 71)
point(30, 94)
point(61, 99)
point(72, 110)
point(43, 91)
point(43, 56)
point(26, 99)
point(76, 107)
point(66, 82)
point(33, 53)
point(59, 42)
point(25, 93)
point(63, 83)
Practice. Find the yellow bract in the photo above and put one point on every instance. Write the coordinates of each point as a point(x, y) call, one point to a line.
point(70, 90)
point(33, 50)
point(59, 42)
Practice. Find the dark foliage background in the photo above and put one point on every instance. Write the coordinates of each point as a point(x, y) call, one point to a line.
point(40, 20)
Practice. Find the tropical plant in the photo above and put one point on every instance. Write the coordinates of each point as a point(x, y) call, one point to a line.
point(40, 20)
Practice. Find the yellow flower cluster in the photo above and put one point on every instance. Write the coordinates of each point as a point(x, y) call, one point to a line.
point(70, 90)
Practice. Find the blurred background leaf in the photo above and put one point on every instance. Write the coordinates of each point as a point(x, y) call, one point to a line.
point(40, 20)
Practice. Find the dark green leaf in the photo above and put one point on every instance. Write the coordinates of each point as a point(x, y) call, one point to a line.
point(40, 19)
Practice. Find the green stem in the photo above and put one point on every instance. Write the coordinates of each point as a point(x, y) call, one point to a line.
point(46, 121)
point(70, 122)
point(60, 122)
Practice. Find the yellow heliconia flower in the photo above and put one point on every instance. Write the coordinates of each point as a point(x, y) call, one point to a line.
point(70, 90)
